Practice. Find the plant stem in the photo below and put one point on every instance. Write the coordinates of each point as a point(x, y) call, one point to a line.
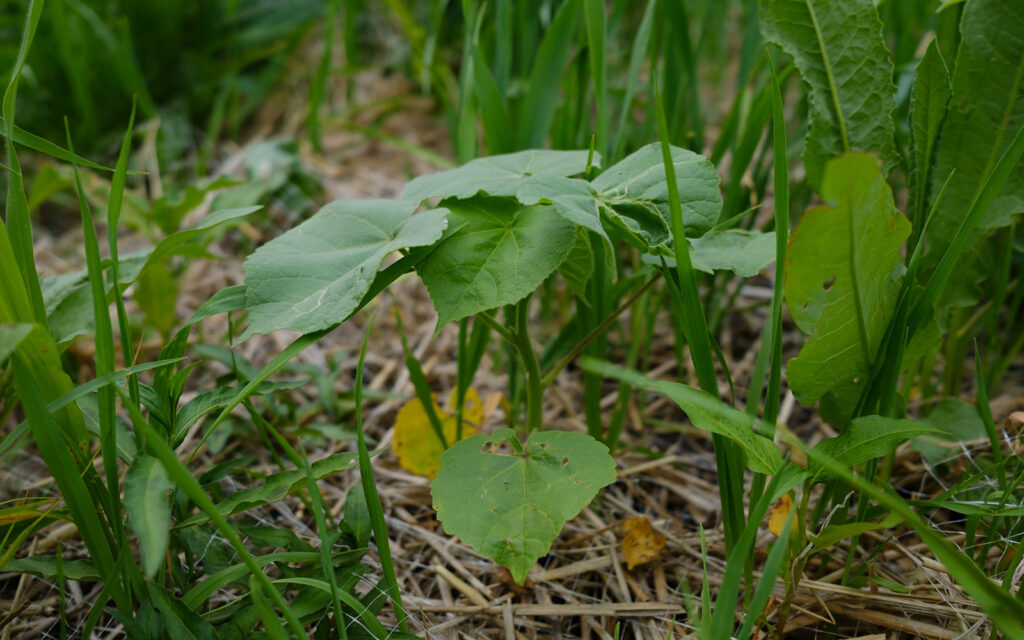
point(555, 369)
point(534, 389)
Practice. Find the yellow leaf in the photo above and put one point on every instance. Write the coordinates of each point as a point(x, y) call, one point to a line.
point(779, 514)
point(641, 544)
point(416, 443)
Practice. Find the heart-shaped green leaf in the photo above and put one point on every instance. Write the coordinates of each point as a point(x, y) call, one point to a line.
point(496, 252)
point(315, 275)
point(510, 504)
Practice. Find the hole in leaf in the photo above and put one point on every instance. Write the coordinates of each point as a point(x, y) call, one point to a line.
point(827, 285)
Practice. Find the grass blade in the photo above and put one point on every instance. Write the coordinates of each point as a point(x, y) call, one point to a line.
point(18, 224)
point(538, 108)
point(379, 525)
point(694, 325)
point(594, 15)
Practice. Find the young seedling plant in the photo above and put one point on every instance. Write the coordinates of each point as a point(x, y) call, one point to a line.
point(501, 227)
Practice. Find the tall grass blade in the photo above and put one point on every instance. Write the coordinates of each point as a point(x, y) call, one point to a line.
point(923, 308)
point(117, 185)
point(323, 70)
point(694, 324)
point(637, 55)
point(594, 15)
point(538, 108)
point(379, 524)
point(1006, 612)
point(104, 341)
point(66, 472)
point(326, 542)
point(19, 227)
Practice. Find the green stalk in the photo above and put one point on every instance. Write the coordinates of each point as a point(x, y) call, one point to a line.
point(534, 390)
point(556, 368)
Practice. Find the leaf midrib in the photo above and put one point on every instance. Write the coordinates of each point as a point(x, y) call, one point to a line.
point(831, 77)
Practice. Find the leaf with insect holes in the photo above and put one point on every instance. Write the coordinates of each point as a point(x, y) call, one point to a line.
point(315, 275)
point(416, 444)
point(499, 175)
point(641, 544)
point(511, 505)
point(495, 252)
point(841, 286)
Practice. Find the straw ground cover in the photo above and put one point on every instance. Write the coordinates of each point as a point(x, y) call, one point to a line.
point(681, 362)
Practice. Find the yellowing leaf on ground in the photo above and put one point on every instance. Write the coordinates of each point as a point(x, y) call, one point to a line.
point(641, 544)
point(416, 443)
point(779, 513)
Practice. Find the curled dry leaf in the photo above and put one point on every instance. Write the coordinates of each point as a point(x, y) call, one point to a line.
point(641, 544)
point(416, 444)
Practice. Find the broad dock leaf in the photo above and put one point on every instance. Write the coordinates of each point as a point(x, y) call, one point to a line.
point(847, 72)
point(510, 506)
point(986, 109)
point(843, 279)
point(496, 252)
point(315, 275)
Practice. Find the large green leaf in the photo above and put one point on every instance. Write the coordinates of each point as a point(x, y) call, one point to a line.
point(847, 72)
point(145, 498)
point(315, 275)
point(495, 252)
point(705, 412)
point(985, 111)
point(510, 505)
point(497, 175)
point(843, 279)
point(868, 438)
point(928, 102)
point(638, 182)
